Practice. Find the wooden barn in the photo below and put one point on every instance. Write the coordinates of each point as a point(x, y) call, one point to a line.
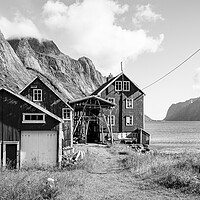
point(128, 114)
point(44, 93)
point(90, 120)
point(29, 134)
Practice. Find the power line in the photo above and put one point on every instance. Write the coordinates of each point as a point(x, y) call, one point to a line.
point(172, 70)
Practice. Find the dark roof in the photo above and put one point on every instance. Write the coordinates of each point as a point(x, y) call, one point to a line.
point(101, 88)
point(50, 87)
point(108, 83)
point(32, 104)
point(103, 102)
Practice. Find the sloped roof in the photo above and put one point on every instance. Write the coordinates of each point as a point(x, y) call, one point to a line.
point(108, 83)
point(33, 104)
point(37, 77)
point(103, 102)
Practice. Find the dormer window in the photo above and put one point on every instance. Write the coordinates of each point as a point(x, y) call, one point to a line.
point(126, 85)
point(37, 95)
point(118, 86)
point(66, 114)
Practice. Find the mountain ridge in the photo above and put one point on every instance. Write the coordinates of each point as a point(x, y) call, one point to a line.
point(22, 59)
point(188, 110)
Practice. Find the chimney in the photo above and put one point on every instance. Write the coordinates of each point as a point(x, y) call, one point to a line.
point(109, 77)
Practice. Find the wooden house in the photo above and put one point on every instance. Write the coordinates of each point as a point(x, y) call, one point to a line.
point(43, 93)
point(29, 134)
point(128, 114)
point(89, 118)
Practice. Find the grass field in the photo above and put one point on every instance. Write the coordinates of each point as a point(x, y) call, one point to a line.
point(115, 172)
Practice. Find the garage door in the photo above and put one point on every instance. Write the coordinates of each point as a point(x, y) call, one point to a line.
point(38, 148)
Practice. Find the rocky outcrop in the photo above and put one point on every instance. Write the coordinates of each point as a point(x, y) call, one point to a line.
point(13, 73)
point(23, 59)
point(184, 111)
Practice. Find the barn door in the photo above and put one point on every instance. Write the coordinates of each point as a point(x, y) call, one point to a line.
point(38, 148)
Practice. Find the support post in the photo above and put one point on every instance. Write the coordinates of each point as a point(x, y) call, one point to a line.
point(71, 127)
point(0, 155)
point(60, 138)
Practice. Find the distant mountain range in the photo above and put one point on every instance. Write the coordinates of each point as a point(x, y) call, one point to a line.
point(184, 111)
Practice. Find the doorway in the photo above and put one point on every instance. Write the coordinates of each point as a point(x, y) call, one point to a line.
point(11, 156)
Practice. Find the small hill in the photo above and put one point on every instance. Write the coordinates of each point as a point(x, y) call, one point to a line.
point(184, 111)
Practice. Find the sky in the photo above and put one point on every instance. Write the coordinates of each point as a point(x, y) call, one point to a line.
point(150, 38)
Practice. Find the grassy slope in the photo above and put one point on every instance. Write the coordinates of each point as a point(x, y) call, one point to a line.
point(106, 174)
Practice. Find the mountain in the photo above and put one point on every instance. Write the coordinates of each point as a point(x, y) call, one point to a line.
point(21, 60)
point(148, 119)
point(184, 111)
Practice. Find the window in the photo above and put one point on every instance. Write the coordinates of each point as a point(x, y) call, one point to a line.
point(33, 118)
point(129, 103)
point(129, 120)
point(111, 120)
point(66, 113)
point(118, 86)
point(126, 85)
point(112, 100)
point(37, 95)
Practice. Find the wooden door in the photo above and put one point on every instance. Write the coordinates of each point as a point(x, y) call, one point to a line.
point(38, 148)
point(11, 156)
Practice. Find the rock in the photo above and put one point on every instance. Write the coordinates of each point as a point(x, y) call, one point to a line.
point(22, 59)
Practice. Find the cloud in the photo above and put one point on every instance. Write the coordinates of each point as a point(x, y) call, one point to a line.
point(89, 28)
point(19, 27)
point(145, 13)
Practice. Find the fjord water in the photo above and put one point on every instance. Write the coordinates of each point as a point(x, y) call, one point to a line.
point(174, 134)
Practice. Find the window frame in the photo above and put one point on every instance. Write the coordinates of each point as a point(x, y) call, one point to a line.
point(111, 118)
point(131, 120)
point(128, 103)
point(127, 83)
point(35, 92)
point(37, 121)
point(117, 85)
point(111, 99)
point(66, 109)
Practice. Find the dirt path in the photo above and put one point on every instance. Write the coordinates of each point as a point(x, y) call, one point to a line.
point(108, 180)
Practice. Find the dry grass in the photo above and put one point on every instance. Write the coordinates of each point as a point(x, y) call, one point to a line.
point(179, 171)
point(29, 183)
point(99, 176)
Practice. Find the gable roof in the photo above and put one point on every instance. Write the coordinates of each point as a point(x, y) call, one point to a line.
point(32, 104)
point(37, 77)
point(103, 102)
point(111, 81)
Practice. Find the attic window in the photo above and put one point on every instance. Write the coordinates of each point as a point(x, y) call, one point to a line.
point(126, 85)
point(37, 95)
point(33, 118)
point(66, 113)
point(118, 86)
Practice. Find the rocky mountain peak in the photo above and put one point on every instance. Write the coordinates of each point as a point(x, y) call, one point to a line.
point(29, 57)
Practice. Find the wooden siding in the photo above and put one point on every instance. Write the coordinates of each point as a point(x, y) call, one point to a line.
point(11, 110)
point(120, 111)
point(50, 100)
